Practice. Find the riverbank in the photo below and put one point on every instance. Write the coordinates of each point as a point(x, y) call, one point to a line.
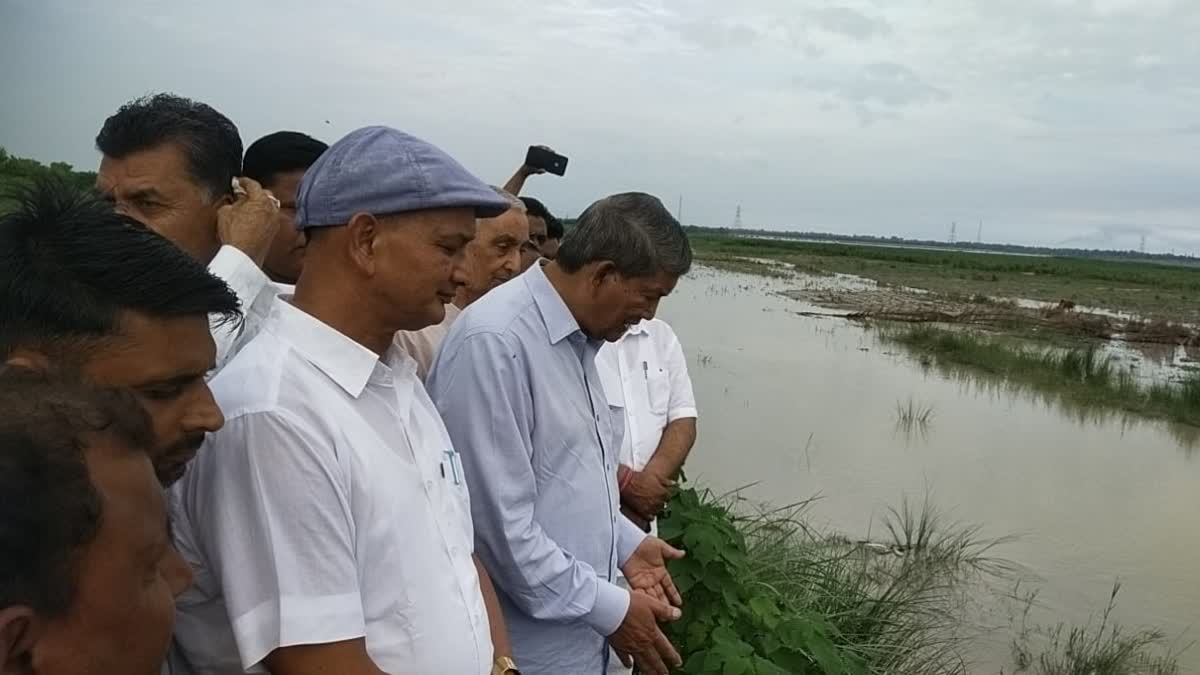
point(766, 593)
point(1154, 292)
point(1032, 321)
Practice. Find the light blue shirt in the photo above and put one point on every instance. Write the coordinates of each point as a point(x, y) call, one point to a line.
point(517, 386)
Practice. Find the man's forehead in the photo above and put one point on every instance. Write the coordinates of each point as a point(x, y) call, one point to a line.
point(153, 350)
point(143, 170)
point(506, 222)
point(661, 283)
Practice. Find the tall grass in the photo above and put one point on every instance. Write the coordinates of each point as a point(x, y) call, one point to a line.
point(1085, 376)
point(1105, 648)
point(891, 607)
point(902, 610)
point(764, 579)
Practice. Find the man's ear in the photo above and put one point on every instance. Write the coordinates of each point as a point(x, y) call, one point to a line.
point(363, 230)
point(19, 632)
point(601, 272)
point(26, 358)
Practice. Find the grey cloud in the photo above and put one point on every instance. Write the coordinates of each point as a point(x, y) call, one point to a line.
point(849, 22)
point(883, 85)
point(716, 34)
point(677, 97)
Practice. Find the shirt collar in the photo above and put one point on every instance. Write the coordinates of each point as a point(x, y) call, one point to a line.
point(560, 323)
point(639, 328)
point(343, 360)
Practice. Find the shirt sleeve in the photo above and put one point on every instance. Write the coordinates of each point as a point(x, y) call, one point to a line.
point(683, 399)
point(481, 387)
point(629, 537)
point(278, 532)
point(255, 293)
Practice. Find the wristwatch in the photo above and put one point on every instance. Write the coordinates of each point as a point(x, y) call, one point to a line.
point(505, 665)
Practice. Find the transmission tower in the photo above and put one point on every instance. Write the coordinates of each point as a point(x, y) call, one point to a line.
point(953, 233)
point(737, 219)
point(979, 234)
point(1142, 246)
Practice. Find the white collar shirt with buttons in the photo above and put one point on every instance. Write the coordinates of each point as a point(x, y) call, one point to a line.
point(645, 374)
point(330, 507)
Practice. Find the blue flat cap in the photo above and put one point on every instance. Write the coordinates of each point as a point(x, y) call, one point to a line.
point(383, 171)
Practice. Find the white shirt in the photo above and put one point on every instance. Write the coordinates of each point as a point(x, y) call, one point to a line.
point(645, 374)
point(330, 507)
point(423, 344)
point(255, 293)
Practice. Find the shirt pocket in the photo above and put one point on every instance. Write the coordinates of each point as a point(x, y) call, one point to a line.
point(658, 392)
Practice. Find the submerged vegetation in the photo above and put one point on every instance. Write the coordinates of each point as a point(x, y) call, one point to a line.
point(912, 416)
point(767, 594)
point(1102, 649)
point(1082, 375)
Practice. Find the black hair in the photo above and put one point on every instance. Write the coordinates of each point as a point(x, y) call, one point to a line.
point(51, 509)
point(280, 152)
point(554, 227)
point(208, 139)
point(632, 230)
point(70, 265)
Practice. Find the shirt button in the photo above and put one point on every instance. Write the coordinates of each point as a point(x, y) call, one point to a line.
point(428, 485)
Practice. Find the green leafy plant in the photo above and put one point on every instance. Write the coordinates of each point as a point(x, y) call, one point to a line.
point(734, 624)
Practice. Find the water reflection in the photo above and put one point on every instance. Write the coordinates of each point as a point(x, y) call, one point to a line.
point(998, 390)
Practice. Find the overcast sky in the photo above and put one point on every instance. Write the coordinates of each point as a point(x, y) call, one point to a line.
point(1052, 121)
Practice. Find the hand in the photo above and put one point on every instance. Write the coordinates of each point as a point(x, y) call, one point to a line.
point(647, 494)
point(635, 518)
point(640, 640)
point(527, 170)
point(646, 570)
point(249, 223)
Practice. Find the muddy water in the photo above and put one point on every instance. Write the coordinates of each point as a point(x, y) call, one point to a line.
point(805, 406)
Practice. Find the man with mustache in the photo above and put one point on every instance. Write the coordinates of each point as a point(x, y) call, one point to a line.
point(492, 258)
point(92, 290)
point(174, 164)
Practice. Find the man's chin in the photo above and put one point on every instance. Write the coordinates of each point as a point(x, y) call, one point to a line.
point(170, 474)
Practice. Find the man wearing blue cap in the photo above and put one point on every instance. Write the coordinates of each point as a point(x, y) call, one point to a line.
point(330, 523)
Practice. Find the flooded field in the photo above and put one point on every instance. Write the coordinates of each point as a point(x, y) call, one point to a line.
point(800, 406)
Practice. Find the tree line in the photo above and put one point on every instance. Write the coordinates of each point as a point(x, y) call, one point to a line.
point(1015, 249)
point(15, 171)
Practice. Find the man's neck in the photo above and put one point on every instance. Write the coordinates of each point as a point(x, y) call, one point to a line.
point(278, 279)
point(328, 304)
point(567, 286)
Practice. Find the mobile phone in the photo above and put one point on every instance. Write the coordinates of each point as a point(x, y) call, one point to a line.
point(541, 158)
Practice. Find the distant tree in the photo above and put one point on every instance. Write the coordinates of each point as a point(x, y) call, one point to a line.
point(18, 170)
